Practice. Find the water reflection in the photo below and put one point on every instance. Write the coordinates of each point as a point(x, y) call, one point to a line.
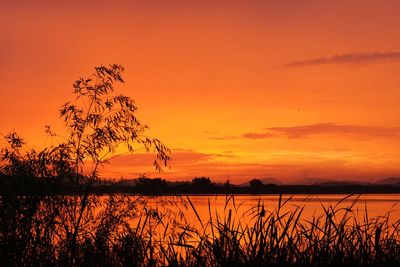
point(240, 206)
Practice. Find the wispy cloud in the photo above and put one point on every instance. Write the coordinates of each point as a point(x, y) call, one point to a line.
point(181, 156)
point(245, 135)
point(303, 131)
point(350, 58)
point(257, 135)
point(336, 129)
point(226, 137)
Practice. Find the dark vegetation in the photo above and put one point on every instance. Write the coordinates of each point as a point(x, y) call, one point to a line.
point(199, 185)
point(52, 215)
point(203, 185)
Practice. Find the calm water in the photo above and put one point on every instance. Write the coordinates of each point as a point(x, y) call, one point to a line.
point(243, 207)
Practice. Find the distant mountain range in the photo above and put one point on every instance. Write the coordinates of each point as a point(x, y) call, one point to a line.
point(311, 181)
point(392, 181)
point(389, 181)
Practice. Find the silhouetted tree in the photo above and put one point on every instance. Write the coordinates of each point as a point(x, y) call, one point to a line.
point(99, 122)
point(202, 183)
point(151, 185)
point(256, 183)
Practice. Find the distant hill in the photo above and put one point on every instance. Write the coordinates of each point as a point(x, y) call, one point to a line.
point(342, 183)
point(394, 181)
point(312, 181)
point(328, 182)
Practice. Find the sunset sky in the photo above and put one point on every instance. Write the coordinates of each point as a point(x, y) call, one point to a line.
point(237, 89)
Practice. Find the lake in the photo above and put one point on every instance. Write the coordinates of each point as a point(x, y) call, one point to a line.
point(242, 208)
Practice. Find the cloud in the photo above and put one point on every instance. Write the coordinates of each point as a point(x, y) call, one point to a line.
point(245, 135)
point(350, 58)
point(303, 131)
point(257, 135)
point(226, 137)
point(335, 129)
point(179, 156)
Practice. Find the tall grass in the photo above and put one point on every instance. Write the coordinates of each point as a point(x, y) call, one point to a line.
point(136, 231)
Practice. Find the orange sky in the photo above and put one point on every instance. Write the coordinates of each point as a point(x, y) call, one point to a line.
point(238, 89)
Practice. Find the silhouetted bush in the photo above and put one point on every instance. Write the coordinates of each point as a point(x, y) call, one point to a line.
point(256, 183)
point(154, 186)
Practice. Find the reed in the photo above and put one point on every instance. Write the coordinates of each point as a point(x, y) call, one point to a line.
point(114, 230)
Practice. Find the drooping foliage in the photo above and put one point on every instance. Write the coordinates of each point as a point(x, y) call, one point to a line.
point(98, 122)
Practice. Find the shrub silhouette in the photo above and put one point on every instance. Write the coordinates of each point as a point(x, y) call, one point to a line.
point(256, 183)
point(151, 185)
point(201, 182)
